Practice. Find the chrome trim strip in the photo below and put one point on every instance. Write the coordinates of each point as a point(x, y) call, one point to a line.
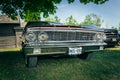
point(64, 45)
point(48, 53)
point(63, 30)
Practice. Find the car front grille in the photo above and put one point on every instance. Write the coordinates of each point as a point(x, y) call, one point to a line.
point(69, 36)
point(109, 35)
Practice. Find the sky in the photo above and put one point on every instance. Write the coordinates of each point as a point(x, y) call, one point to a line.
point(109, 12)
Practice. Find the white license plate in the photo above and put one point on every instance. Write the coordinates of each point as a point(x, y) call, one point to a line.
point(75, 51)
point(114, 39)
point(36, 51)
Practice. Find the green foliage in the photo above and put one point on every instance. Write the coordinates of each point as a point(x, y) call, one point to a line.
point(32, 16)
point(119, 27)
point(55, 19)
point(92, 19)
point(93, 1)
point(71, 21)
point(14, 7)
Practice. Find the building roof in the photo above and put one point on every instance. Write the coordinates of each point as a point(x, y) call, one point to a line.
point(6, 19)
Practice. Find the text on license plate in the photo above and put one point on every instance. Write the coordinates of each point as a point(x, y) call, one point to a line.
point(74, 51)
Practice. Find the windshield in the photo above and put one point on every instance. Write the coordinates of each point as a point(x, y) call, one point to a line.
point(41, 23)
point(30, 24)
point(55, 23)
point(33, 24)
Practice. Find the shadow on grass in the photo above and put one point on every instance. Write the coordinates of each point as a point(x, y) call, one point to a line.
point(12, 67)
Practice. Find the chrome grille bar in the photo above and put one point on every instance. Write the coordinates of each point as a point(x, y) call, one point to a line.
point(112, 35)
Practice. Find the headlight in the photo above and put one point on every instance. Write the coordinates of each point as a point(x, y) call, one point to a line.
point(98, 37)
point(30, 36)
point(104, 37)
point(42, 36)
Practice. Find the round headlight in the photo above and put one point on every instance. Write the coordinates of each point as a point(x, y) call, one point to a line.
point(30, 36)
point(104, 37)
point(43, 36)
point(98, 37)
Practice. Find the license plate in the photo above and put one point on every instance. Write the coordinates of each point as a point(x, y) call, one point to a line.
point(74, 51)
point(114, 39)
point(36, 51)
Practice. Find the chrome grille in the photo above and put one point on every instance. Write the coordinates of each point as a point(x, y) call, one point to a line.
point(108, 35)
point(69, 36)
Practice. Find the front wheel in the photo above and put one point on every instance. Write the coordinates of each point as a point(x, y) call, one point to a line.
point(85, 56)
point(31, 61)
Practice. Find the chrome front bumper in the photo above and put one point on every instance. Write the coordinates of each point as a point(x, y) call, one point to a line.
point(61, 48)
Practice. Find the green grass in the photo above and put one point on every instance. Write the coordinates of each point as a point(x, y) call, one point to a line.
point(104, 65)
point(10, 49)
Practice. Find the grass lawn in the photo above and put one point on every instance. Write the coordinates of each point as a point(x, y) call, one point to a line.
point(104, 65)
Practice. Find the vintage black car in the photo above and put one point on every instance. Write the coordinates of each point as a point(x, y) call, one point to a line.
point(111, 35)
point(50, 38)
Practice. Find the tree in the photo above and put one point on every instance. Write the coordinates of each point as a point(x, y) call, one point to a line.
point(49, 19)
point(55, 19)
point(119, 27)
point(92, 19)
point(71, 21)
point(32, 16)
point(13, 8)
